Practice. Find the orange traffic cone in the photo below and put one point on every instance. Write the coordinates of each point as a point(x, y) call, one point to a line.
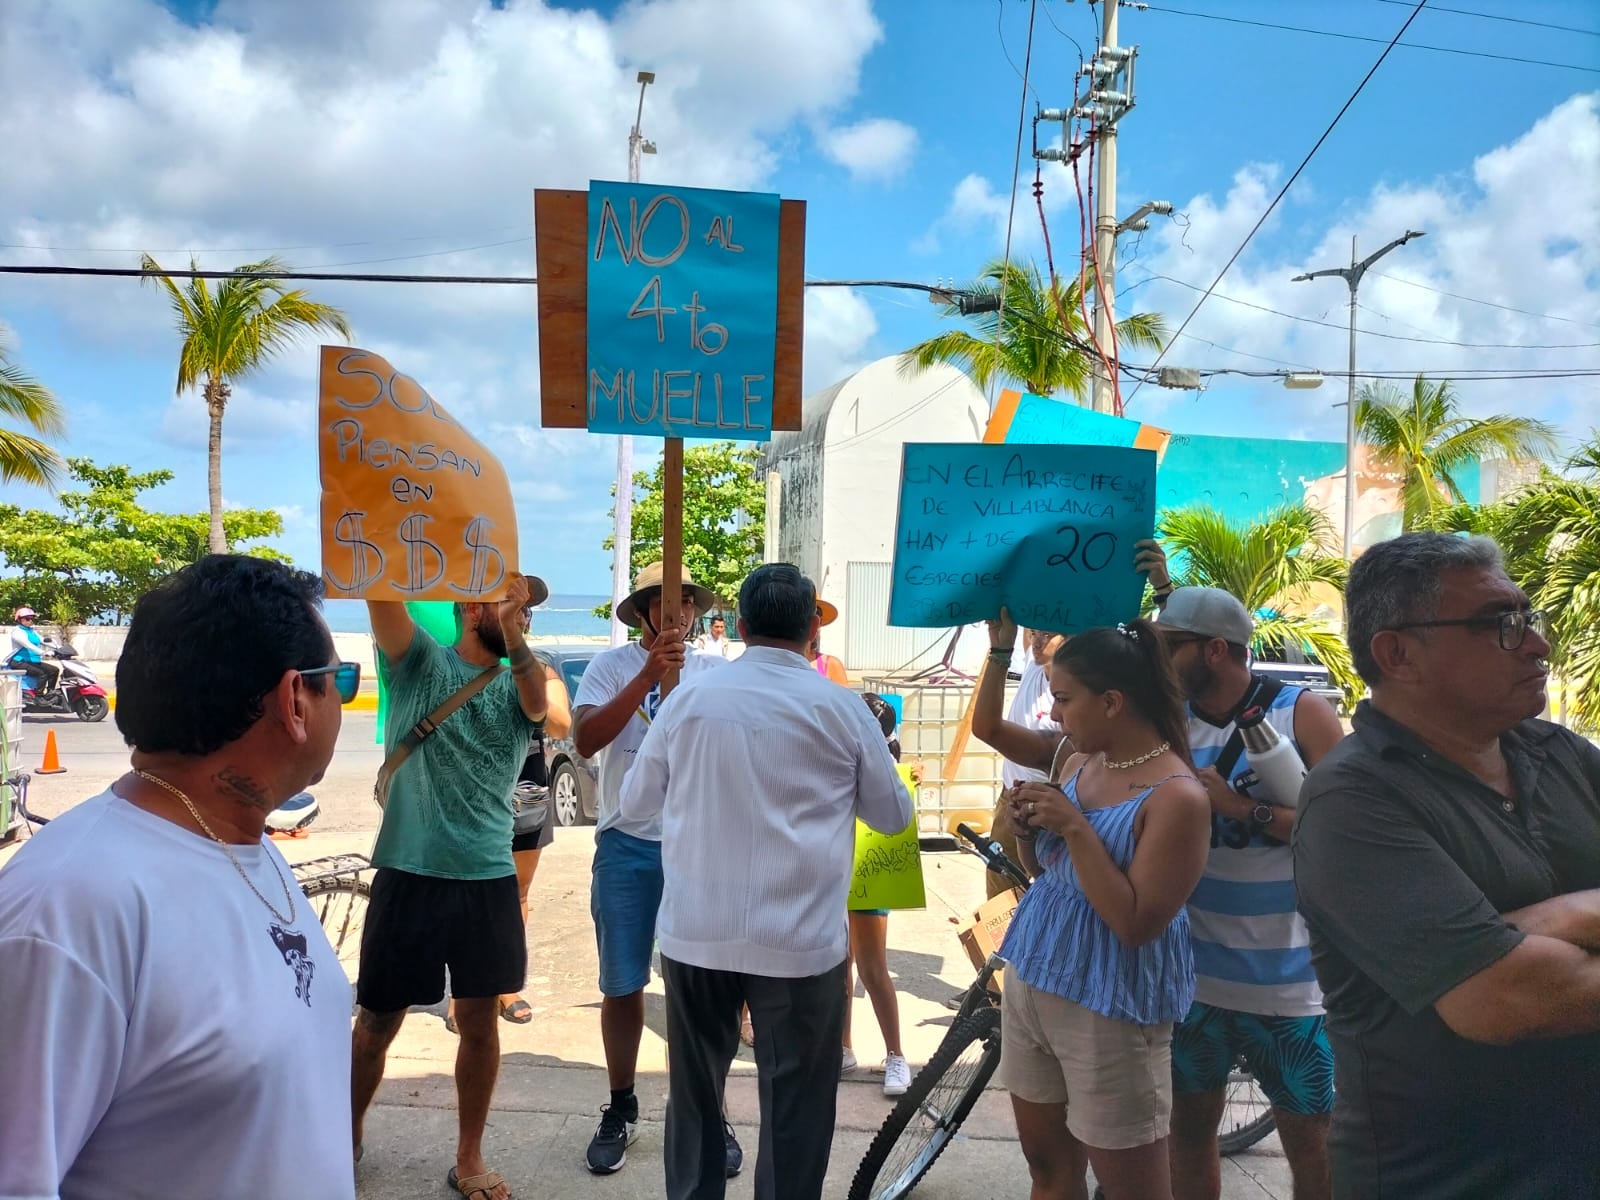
point(52, 758)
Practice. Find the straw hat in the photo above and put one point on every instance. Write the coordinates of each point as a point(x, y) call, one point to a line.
point(649, 580)
point(827, 612)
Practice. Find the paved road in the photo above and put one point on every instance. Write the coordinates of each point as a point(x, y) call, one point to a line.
point(95, 755)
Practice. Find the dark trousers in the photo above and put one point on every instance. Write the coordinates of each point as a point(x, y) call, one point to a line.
point(799, 1024)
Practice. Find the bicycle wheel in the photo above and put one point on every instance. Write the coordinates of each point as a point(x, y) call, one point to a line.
point(340, 903)
point(1248, 1115)
point(928, 1115)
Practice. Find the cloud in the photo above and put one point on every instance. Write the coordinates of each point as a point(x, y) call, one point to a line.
point(874, 149)
point(840, 325)
point(1520, 230)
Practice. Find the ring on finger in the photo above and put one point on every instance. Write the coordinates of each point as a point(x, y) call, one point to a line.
point(1033, 807)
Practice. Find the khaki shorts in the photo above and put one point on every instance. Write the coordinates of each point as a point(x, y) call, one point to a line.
point(1115, 1077)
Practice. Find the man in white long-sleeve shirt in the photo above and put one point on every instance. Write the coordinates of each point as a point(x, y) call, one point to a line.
point(758, 772)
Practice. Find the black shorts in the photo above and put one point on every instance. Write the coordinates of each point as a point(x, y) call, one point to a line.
point(536, 840)
point(417, 925)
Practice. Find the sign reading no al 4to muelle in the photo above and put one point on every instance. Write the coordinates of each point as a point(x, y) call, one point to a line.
point(1046, 531)
point(682, 311)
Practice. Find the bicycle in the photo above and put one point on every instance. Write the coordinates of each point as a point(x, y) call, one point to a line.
point(926, 1119)
point(333, 885)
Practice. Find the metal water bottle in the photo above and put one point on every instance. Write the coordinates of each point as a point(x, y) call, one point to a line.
point(1275, 762)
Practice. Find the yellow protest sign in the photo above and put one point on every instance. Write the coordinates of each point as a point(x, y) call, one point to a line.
point(888, 866)
point(413, 506)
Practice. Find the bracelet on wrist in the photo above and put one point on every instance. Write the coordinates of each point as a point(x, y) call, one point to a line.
point(1002, 652)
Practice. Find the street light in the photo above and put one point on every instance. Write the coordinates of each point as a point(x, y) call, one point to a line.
point(1352, 277)
point(622, 508)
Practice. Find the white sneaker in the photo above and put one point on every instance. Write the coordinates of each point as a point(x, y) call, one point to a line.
point(896, 1076)
point(847, 1061)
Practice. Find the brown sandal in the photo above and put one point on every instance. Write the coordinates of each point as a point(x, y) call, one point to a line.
point(474, 1187)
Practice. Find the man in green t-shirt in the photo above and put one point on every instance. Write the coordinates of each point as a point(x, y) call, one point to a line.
point(445, 893)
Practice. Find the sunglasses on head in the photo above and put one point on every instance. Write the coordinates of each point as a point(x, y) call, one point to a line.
point(346, 678)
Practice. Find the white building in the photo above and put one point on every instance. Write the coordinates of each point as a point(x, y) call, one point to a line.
point(837, 488)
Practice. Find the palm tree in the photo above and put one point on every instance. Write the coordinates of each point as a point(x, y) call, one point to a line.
point(24, 458)
point(228, 332)
point(1274, 566)
point(1036, 340)
point(1425, 439)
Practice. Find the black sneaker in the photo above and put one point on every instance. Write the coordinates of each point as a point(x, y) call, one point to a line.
point(608, 1149)
point(735, 1154)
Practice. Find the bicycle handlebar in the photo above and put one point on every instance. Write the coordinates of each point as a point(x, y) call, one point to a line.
point(991, 853)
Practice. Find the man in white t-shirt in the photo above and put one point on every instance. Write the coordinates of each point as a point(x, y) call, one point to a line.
point(177, 1024)
point(617, 699)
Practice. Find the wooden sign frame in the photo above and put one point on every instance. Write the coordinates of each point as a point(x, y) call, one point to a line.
point(561, 248)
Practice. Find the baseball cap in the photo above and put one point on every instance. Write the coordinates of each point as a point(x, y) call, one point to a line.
point(1209, 612)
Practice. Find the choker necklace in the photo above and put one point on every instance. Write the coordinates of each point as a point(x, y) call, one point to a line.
point(227, 849)
point(1135, 762)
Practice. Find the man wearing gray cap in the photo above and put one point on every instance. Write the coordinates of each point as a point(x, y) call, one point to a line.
point(1256, 995)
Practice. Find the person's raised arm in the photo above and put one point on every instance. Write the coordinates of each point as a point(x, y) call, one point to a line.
point(1377, 886)
point(596, 726)
point(1151, 560)
point(527, 670)
point(1031, 748)
point(392, 628)
point(1168, 860)
point(558, 708)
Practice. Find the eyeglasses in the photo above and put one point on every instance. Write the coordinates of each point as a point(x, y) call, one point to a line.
point(346, 678)
point(1512, 627)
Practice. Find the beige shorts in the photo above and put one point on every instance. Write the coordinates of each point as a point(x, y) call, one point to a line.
point(1115, 1077)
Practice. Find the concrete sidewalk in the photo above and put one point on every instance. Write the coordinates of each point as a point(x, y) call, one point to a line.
point(553, 1082)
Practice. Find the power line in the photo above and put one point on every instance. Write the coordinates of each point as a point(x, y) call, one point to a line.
point(1462, 12)
point(1304, 162)
point(1377, 333)
point(1488, 303)
point(417, 237)
point(1356, 37)
point(1016, 161)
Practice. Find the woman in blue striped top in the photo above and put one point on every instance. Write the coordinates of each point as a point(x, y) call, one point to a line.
point(1099, 947)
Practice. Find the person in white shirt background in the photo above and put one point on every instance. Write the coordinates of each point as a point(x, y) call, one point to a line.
point(177, 1024)
point(618, 699)
point(757, 773)
point(715, 639)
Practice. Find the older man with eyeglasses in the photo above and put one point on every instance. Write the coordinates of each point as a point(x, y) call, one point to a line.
point(1447, 860)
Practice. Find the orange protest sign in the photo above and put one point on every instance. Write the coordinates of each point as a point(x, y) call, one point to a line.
point(413, 506)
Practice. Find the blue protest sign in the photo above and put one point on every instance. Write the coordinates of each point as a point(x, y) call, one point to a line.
point(682, 311)
point(1046, 531)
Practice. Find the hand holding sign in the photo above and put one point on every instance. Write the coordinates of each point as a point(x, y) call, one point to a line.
point(1046, 531)
point(413, 506)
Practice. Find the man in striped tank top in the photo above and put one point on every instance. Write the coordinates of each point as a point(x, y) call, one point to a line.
point(1256, 995)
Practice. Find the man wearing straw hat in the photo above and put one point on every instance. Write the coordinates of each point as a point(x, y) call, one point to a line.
point(617, 699)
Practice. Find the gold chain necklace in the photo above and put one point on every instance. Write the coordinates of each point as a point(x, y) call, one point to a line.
point(228, 850)
point(1136, 762)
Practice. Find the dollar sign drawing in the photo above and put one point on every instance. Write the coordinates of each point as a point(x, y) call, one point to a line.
point(418, 547)
point(477, 540)
point(367, 560)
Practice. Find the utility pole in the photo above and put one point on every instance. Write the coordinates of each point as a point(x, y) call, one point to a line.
point(1352, 277)
point(622, 508)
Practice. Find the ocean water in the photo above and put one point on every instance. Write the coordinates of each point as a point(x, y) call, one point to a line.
point(559, 616)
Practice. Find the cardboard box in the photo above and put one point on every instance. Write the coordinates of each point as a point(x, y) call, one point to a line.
point(983, 937)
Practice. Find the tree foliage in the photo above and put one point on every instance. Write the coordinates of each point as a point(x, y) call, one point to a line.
point(1273, 566)
point(1424, 439)
point(1036, 348)
point(92, 560)
point(724, 517)
point(23, 457)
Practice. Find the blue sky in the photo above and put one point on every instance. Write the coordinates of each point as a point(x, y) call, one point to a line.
point(401, 134)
